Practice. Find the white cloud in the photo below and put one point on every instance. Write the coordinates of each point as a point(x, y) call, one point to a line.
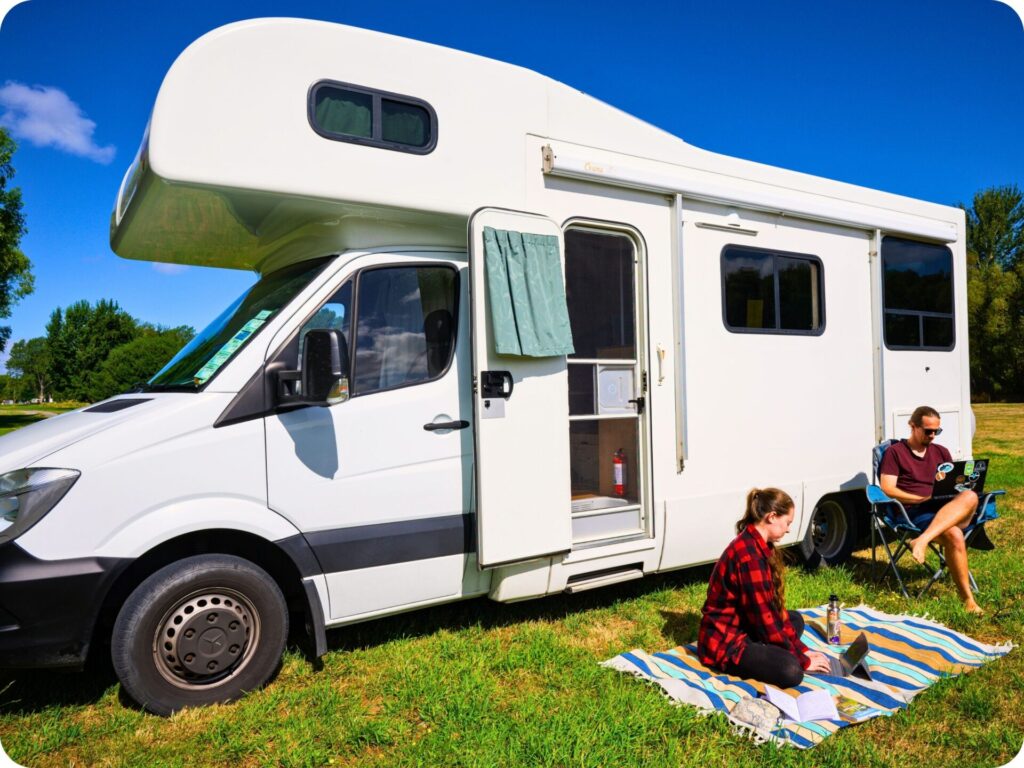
point(45, 116)
point(169, 269)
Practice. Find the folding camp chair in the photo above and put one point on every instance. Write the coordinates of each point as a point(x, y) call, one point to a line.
point(892, 526)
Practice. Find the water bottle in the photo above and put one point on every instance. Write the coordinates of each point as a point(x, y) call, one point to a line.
point(832, 628)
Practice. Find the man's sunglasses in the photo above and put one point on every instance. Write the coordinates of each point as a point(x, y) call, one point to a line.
point(931, 432)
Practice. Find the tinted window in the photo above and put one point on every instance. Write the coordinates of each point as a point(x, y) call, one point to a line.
point(404, 123)
point(376, 118)
point(405, 326)
point(344, 112)
point(771, 291)
point(918, 294)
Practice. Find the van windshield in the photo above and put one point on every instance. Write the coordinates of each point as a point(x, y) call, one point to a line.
point(201, 358)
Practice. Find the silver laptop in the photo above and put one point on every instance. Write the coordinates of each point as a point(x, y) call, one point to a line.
point(850, 663)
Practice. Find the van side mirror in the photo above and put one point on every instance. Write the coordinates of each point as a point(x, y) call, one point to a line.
point(324, 367)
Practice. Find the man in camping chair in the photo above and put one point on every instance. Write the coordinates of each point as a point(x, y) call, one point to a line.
point(906, 474)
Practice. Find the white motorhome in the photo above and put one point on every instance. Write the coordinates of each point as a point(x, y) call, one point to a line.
point(506, 340)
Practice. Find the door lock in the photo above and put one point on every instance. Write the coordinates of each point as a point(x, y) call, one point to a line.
point(496, 384)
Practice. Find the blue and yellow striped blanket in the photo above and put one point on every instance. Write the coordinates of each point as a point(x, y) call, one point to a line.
point(907, 654)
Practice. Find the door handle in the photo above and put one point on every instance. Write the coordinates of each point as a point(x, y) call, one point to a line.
point(436, 425)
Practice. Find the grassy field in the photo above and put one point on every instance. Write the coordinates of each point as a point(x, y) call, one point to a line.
point(483, 684)
point(14, 417)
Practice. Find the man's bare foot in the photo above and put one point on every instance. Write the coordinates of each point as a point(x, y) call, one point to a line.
point(973, 608)
point(918, 549)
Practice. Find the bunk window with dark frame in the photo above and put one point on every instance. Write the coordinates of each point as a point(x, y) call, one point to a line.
point(917, 290)
point(358, 115)
point(766, 291)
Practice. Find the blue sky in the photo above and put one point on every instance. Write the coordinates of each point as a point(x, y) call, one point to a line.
point(919, 97)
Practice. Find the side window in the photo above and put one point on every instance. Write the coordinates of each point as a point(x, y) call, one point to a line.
point(374, 118)
point(917, 289)
point(334, 315)
point(405, 326)
point(772, 292)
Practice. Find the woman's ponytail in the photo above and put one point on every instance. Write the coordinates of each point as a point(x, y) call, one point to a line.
point(760, 503)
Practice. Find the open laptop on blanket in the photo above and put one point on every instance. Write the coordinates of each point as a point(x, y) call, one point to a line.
point(850, 663)
point(952, 477)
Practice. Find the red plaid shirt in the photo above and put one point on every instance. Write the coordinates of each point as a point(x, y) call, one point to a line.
point(741, 606)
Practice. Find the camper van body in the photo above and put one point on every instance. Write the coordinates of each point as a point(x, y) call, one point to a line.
point(478, 472)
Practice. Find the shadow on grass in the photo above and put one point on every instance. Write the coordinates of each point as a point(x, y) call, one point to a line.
point(487, 614)
point(681, 626)
point(27, 691)
point(12, 421)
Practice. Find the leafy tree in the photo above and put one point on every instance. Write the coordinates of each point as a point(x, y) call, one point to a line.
point(136, 361)
point(16, 279)
point(30, 361)
point(13, 388)
point(79, 340)
point(995, 226)
point(995, 292)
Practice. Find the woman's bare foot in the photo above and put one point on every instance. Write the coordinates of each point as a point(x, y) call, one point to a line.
point(974, 609)
point(918, 549)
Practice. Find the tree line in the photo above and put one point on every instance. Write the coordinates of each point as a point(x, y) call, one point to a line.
point(995, 293)
point(90, 352)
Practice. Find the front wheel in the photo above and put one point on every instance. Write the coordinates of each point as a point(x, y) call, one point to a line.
point(832, 534)
point(203, 630)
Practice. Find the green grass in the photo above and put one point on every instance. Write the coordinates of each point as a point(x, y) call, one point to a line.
point(483, 684)
point(14, 417)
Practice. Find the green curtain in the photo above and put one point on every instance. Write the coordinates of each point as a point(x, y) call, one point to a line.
point(527, 297)
point(344, 112)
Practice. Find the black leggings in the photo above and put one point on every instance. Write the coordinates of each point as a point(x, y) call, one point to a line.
point(770, 663)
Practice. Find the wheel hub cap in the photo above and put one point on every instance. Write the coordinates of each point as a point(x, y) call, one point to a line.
point(204, 637)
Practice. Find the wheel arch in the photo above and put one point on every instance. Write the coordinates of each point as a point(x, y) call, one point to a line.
point(287, 562)
point(852, 504)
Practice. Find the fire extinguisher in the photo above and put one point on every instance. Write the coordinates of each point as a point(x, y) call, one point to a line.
point(619, 471)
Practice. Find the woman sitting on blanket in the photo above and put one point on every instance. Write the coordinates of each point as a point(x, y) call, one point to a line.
point(746, 630)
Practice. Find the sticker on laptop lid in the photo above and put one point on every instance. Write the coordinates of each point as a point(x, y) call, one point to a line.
point(945, 466)
point(969, 468)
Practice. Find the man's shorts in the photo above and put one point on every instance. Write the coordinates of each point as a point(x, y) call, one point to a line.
point(921, 515)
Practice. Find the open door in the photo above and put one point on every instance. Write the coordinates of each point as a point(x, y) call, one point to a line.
point(520, 404)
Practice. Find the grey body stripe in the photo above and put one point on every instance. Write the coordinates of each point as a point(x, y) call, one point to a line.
point(366, 546)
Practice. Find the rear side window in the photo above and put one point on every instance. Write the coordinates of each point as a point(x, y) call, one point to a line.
point(917, 289)
point(405, 326)
point(344, 112)
point(772, 292)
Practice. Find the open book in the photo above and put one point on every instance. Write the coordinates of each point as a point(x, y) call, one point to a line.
point(812, 705)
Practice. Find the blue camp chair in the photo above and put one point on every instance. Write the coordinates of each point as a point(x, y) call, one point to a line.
point(891, 525)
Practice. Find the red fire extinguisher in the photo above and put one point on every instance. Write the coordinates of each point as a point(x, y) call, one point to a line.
point(619, 471)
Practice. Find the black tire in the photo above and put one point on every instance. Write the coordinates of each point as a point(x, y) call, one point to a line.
point(203, 630)
point(832, 535)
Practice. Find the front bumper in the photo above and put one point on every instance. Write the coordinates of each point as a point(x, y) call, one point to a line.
point(48, 608)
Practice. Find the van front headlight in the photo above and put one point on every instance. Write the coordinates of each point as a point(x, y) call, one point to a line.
point(28, 494)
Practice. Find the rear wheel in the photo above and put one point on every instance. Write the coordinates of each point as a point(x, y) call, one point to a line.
point(832, 534)
point(203, 630)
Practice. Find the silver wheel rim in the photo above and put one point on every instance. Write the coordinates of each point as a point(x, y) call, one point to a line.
point(829, 529)
point(206, 638)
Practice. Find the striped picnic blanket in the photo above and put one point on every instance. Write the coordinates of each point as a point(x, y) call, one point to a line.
point(907, 654)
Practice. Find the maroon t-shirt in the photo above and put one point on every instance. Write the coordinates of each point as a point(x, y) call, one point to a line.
point(914, 474)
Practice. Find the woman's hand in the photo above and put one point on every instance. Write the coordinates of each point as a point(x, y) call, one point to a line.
point(819, 662)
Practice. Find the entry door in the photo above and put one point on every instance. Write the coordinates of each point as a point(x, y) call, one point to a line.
point(607, 391)
point(520, 408)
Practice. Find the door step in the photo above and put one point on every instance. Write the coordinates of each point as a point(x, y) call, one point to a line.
point(584, 581)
